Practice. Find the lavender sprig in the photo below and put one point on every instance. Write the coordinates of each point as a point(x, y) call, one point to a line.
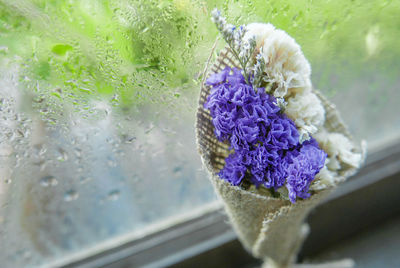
point(258, 72)
point(242, 49)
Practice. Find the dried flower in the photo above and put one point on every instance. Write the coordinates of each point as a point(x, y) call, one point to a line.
point(265, 142)
point(285, 65)
point(339, 149)
point(301, 166)
point(234, 36)
point(306, 110)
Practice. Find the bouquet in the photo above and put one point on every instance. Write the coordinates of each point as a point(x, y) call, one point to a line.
point(273, 145)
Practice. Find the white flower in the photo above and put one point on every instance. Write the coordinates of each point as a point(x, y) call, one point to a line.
point(324, 179)
point(307, 112)
point(286, 66)
point(340, 150)
point(260, 31)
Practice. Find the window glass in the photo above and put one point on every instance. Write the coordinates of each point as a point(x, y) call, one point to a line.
point(98, 102)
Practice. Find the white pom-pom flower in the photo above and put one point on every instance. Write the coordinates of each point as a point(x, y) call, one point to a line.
point(306, 110)
point(260, 31)
point(286, 67)
point(324, 179)
point(339, 149)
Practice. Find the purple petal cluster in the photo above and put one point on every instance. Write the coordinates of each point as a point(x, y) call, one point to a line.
point(264, 141)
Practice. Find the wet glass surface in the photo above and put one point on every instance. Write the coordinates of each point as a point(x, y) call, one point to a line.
point(98, 101)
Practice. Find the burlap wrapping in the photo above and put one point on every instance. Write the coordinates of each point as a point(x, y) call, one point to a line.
point(270, 228)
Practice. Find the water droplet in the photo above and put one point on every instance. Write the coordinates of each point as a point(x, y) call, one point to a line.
point(39, 149)
point(5, 150)
point(372, 40)
point(4, 49)
point(113, 195)
point(135, 178)
point(129, 139)
point(120, 153)
point(63, 156)
point(20, 134)
point(115, 100)
point(71, 195)
point(149, 129)
point(48, 181)
point(86, 90)
point(177, 169)
point(84, 180)
point(78, 152)
point(111, 162)
point(23, 254)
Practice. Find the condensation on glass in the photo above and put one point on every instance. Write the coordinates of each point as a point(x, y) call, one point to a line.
point(98, 100)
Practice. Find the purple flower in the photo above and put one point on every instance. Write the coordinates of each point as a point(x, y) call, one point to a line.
point(268, 101)
point(244, 134)
point(275, 176)
point(265, 141)
point(224, 122)
point(265, 155)
point(243, 94)
point(264, 160)
point(258, 176)
point(234, 169)
point(283, 133)
point(236, 77)
point(301, 166)
point(256, 112)
point(220, 97)
point(218, 78)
